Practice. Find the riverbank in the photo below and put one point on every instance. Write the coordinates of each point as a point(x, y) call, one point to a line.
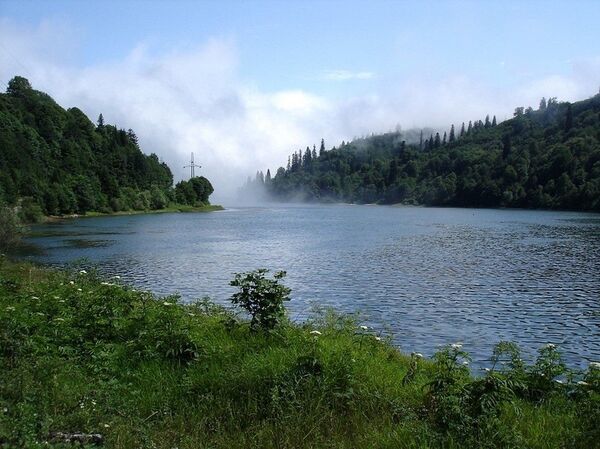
point(177, 208)
point(80, 354)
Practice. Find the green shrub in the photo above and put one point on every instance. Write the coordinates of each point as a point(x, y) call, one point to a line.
point(261, 297)
point(10, 229)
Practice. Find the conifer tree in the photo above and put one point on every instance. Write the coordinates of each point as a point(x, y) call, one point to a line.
point(444, 139)
point(506, 146)
point(462, 130)
point(569, 119)
point(437, 142)
point(322, 148)
point(494, 121)
point(421, 141)
point(451, 138)
point(470, 128)
point(487, 121)
point(100, 121)
point(314, 152)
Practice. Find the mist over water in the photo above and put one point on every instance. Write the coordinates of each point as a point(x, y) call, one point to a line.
point(425, 276)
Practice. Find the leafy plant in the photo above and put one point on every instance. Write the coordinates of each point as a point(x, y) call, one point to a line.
point(10, 228)
point(261, 297)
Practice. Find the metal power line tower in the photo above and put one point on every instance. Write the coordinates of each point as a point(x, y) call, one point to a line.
point(192, 166)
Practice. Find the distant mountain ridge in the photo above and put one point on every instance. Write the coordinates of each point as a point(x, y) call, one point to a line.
point(545, 158)
point(58, 162)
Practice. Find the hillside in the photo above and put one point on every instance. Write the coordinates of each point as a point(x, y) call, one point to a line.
point(55, 161)
point(545, 158)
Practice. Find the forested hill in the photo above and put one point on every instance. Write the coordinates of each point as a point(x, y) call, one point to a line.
point(57, 161)
point(544, 158)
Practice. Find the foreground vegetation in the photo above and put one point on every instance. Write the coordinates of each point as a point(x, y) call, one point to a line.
point(79, 354)
point(545, 158)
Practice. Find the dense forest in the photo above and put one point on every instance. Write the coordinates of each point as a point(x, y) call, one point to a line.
point(55, 161)
point(544, 158)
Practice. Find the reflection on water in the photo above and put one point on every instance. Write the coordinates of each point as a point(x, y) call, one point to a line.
point(428, 276)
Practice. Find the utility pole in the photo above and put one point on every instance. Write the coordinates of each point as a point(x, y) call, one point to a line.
point(192, 166)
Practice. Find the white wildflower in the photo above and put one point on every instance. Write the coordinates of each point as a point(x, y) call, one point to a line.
point(417, 355)
point(10, 309)
point(365, 328)
point(56, 297)
point(34, 297)
point(487, 370)
point(72, 282)
point(465, 362)
point(595, 365)
point(79, 290)
point(315, 333)
point(582, 383)
point(456, 345)
point(5, 409)
point(558, 381)
point(378, 338)
point(167, 303)
point(106, 426)
point(550, 346)
point(82, 272)
point(117, 277)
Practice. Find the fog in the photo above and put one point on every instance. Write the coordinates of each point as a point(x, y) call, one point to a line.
point(195, 100)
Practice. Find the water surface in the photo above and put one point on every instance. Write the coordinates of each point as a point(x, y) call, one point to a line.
point(427, 276)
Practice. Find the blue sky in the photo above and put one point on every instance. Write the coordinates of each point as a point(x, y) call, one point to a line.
point(287, 73)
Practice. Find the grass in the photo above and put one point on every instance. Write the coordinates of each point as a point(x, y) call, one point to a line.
point(174, 208)
point(82, 354)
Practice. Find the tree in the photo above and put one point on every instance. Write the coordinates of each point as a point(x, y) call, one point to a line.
point(437, 142)
point(322, 148)
point(470, 128)
point(268, 177)
point(569, 118)
point(100, 121)
point(542, 104)
point(487, 121)
point(506, 146)
point(18, 86)
point(462, 129)
point(494, 121)
point(444, 139)
point(451, 138)
point(421, 140)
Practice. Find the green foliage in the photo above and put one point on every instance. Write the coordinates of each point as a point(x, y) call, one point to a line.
point(549, 158)
point(10, 228)
point(66, 164)
point(261, 297)
point(194, 192)
point(83, 354)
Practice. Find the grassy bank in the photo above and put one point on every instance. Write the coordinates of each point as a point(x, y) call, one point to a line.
point(81, 354)
point(167, 210)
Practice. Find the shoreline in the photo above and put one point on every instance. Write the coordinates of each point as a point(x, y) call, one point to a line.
point(167, 210)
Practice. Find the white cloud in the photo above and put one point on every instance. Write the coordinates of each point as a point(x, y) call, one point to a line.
point(345, 75)
point(195, 100)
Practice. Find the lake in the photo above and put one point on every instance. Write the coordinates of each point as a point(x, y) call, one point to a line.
point(425, 276)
